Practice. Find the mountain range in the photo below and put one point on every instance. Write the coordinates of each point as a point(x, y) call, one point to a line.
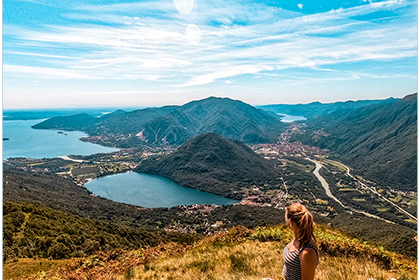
point(173, 125)
point(378, 138)
point(215, 164)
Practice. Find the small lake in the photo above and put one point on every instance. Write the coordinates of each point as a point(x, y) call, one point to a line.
point(25, 141)
point(150, 191)
point(290, 118)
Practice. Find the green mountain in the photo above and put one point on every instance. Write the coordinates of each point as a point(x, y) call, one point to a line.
point(379, 141)
point(214, 164)
point(173, 125)
point(317, 109)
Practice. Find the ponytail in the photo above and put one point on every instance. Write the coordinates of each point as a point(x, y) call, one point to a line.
point(304, 221)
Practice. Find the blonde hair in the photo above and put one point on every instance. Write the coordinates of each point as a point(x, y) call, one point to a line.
point(304, 221)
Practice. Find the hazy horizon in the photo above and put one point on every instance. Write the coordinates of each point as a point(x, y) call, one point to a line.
point(161, 105)
point(70, 54)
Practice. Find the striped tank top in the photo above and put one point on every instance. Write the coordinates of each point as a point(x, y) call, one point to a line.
point(291, 268)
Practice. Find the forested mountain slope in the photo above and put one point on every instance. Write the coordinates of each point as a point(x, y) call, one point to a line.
point(380, 141)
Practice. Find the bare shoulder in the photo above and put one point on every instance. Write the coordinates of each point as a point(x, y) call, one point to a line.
point(309, 255)
point(308, 251)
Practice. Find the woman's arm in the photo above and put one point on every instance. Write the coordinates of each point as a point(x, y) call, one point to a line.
point(308, 261)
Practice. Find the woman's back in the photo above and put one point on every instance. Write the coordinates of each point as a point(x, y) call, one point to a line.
point(292, 267)
point(301, 255)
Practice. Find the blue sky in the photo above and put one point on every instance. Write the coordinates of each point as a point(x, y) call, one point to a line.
point(74, 53)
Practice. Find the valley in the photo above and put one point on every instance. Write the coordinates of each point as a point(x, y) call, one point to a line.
point(262, 163)
point(361, 193)
point(299, 165)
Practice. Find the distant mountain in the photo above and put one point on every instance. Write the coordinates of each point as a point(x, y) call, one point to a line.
point(33, 114)
point(173, 125)
point(380, 141)
point(214, 164)
point(70, 123)
point(317, 109)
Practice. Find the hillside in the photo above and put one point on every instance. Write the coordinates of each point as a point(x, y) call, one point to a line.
point(378, 141)
point(317, 109)
point(240, 253)
point(30, 230)
point(173, 125)
point(214, 164)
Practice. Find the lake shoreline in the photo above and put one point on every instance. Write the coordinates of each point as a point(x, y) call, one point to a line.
point(150, 191)
point(24, 141)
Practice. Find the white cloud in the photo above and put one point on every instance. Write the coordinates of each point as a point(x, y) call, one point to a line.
point(222, 40)
point(300, 6)
point(234, 71)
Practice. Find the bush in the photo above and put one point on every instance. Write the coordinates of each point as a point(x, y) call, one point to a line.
point(267, 234)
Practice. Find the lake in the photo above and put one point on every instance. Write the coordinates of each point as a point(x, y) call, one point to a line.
point(25, 141)
point(150, 191)
point(291, 118)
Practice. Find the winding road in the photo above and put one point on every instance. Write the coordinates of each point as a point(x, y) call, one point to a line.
point(325, 185)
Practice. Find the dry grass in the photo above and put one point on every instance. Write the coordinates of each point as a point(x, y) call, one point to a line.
point(255, 260)
point(248, 260)
point(26, 267)
point(240, 254)
point(338, 268)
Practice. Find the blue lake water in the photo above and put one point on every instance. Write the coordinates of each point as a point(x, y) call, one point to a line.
point(290, 118)
point(150, 191)
point(25, 141)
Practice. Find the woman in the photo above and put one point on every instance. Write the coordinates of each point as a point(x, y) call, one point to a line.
point(301, 254)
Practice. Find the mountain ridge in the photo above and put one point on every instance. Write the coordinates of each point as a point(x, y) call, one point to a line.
point(316, 109)
point(173, 125)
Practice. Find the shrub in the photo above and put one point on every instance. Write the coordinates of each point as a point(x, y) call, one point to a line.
point(267, 234)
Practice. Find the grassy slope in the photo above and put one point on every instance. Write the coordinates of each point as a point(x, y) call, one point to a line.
point(240, 254)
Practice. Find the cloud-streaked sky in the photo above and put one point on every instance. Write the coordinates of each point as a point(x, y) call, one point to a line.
point(74, 53)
